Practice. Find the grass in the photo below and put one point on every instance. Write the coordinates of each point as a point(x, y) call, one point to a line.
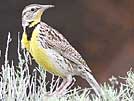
point(18, 84)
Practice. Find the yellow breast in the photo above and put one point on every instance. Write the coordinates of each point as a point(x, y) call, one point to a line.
point(39, 53)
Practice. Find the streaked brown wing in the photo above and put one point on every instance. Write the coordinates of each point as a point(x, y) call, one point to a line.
point(57, 41)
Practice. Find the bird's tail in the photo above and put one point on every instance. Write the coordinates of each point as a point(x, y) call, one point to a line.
point(93, 83)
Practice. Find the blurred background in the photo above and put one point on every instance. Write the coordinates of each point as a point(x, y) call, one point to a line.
point(102, 31)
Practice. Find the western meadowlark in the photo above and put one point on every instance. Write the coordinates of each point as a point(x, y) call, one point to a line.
point(51, 50)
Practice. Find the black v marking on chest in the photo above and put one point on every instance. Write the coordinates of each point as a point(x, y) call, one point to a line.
point(29, 31)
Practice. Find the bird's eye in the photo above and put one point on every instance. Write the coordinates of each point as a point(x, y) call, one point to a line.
point(32, 9)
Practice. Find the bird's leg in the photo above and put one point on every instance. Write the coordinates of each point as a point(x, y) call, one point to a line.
point(58, 88)
point(63, 88)
point(62, 85)
point(66, 82)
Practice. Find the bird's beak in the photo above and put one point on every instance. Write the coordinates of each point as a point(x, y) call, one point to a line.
point(44, 7)
point(40, 12)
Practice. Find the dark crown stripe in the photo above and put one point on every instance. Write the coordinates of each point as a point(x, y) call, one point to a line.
point(29, 31)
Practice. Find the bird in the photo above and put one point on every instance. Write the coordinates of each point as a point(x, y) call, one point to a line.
point(52, 51)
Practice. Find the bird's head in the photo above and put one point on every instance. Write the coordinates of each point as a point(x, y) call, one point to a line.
point(31, 14)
